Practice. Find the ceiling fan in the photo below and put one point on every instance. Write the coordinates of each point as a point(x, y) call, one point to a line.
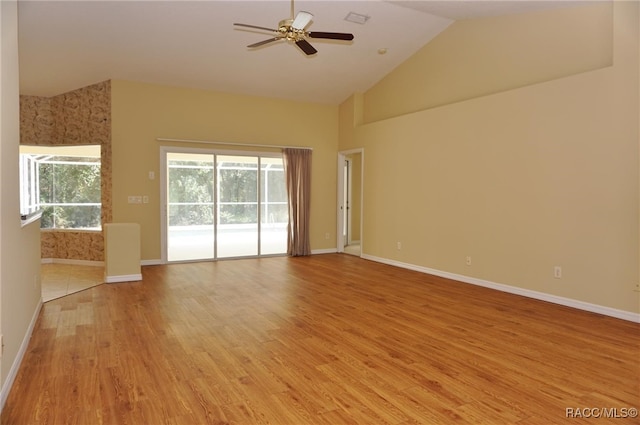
point(293, 29)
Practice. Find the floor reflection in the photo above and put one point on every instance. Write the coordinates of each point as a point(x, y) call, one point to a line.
point(59, 280)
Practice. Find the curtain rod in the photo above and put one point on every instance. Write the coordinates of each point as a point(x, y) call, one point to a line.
point(210, 142)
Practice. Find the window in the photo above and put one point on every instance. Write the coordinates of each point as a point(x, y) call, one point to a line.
point(64, 183)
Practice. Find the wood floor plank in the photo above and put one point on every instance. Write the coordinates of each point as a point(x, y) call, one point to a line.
point(327, 339)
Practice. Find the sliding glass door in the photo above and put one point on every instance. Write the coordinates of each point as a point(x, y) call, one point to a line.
point(274, 210)
point(237, 206)
point(190, 206)
point(224, 206)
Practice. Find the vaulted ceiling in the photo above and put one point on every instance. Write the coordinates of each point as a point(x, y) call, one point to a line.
point(65, 45)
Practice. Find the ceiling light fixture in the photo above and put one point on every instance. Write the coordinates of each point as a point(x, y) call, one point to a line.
point(356, 18)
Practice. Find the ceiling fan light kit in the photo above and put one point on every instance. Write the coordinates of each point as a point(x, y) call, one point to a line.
point(293, 30)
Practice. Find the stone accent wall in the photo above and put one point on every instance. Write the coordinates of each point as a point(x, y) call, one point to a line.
point(79, 117)
point(36, 121)
point(72, 245)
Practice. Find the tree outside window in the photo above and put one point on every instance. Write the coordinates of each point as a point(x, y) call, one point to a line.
point(66, 185)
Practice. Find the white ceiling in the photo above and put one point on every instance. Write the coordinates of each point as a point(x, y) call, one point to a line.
point(65, 45)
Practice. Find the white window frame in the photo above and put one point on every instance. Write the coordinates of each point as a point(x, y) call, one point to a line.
point(30, 204)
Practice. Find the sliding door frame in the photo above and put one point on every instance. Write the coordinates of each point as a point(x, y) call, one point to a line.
point(164, 201)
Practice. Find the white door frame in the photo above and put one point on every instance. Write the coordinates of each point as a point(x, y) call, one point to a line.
point(346, 230)
point(340, 216)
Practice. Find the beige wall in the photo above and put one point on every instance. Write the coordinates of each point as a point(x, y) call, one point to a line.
point(477, 57)
point(521, 180)
point(143, 112)
point(122, 252)
point(19, 247)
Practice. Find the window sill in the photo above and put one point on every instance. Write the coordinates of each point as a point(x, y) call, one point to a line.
point(26, 219)
point(72, 230)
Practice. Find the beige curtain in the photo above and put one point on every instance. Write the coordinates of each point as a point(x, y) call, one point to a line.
point(297, 168)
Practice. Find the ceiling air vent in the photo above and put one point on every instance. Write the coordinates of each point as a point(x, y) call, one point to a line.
point(357, 18)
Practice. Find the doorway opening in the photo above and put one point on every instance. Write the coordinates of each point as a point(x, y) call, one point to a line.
point(350, 196)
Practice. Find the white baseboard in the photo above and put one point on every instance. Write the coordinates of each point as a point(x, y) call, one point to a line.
point(324, 251)
point(156, 262)
point(13, 372)
point(123, 278)
point(568, 302)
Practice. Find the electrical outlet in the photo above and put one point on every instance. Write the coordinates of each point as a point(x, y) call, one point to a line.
point(468, 260)
point(326, 235)
point(399, 245)
point(637, 287)
point(557, 272)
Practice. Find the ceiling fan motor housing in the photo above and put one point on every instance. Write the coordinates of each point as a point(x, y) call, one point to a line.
point(293, 29)
point(289, 32)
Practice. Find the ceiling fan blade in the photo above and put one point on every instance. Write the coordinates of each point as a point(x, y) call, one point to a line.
point(255, 27)
point(302, 20)
point(306, 47)
point(263, 42)
point(331, 35)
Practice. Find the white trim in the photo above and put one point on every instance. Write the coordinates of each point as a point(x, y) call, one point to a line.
point(339, 204)
point(155, 262)
point(349, 184)
point(324, 251)
point(542, 296)
point(163, 203)
point(13, 372)
point(71, 261)
point(27, 219)
point(123, 278)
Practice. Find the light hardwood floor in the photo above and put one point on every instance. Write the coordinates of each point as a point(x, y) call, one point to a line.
point(328, 339)
point(59, 280)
